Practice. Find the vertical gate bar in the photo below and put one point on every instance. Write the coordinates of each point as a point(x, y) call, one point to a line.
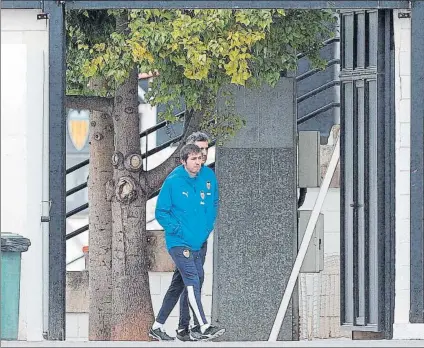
point(389, 143)
point(57, 158)
point(342, 209)
point(383, 232)
point(355, 41)
point(348, 198)
point(367, 46)
point(342, 192)
point(355, 211)
point(367, 148)
point(416, 314)
point(346, 195)
point(360, 202)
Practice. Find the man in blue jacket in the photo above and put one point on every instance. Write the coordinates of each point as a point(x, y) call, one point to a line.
point(187, 211)
point(208, 175)
point(177, 284)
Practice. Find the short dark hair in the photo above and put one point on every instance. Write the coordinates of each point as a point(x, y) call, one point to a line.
point(197, 136)
point(187, 150)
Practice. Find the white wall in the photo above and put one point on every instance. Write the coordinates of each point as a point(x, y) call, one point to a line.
point(24, 64)
point(402, 327)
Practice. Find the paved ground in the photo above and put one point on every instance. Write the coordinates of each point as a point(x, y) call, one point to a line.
point(317, 343)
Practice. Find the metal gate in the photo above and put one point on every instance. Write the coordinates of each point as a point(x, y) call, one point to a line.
point(367, 164)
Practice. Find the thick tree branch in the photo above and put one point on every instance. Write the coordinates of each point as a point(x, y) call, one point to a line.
point(101, 104)
point(156, 176)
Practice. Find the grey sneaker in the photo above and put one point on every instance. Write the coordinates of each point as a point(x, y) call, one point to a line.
point(210, 333)
point(160, 335)
point(195, 333)
point(184, 335)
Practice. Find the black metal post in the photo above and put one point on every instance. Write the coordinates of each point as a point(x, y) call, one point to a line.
point(57, 176)
point(416, 314)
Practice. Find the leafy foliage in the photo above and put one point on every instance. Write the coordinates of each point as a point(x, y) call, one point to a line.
point(195, 53)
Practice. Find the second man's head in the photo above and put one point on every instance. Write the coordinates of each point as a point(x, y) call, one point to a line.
point(202, 141)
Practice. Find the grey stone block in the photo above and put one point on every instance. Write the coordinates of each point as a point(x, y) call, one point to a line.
point(268, 113)
point(254, 241)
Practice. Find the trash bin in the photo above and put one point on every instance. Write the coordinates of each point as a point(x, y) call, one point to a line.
point(12, 245)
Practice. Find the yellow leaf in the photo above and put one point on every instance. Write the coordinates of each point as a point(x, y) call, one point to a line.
point(233, 55)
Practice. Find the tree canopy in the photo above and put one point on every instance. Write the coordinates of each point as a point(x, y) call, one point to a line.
point(193, 53)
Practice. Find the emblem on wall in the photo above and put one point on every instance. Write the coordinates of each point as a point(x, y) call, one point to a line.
point(78, 127)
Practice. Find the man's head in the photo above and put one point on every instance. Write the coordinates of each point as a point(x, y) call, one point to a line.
point(202, 141)
point(191, 158)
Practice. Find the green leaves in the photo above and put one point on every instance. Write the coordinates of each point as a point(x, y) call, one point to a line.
point(195, 52)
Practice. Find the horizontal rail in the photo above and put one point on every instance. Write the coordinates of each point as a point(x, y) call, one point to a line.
point(159, 125)
point(77, 210)
point(75, 260)
point(307, 117)
point(318, 90)
point(325, 43)
point(77, 232)
point(314, 71)
point(161, 147)
point(76, 189)
point(77, 166)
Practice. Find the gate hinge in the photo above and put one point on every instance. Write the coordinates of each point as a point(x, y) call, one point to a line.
point(42, 16)
point(404, 15)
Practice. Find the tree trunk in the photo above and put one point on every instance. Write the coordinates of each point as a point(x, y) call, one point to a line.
point(100, 226)
point(132, 307)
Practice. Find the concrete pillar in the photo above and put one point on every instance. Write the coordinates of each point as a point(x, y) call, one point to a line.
point(256, 232)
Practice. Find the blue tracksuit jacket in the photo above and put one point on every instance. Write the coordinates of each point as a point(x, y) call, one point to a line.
point(187, 207)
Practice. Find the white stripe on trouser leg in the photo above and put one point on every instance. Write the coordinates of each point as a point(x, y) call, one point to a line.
point(193, 303)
